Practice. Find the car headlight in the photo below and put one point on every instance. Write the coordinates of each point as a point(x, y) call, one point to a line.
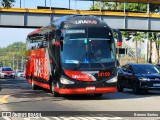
point(65, 81)
point(2, 73)
point(112, 80)
point(143, 79)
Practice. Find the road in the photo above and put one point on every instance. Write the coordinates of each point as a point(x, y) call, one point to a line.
point(17, 95)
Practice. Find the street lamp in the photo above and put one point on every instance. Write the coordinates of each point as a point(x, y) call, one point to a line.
point(45, 3)
point(20, 3)
point(13, 59)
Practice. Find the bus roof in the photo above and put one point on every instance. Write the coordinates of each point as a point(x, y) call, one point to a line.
point(76, 20)
point(79, 20)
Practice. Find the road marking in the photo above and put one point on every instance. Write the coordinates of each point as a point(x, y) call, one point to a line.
point(6, 118)
point(3, 99)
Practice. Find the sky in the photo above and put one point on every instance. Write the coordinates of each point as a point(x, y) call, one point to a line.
point(11, 35)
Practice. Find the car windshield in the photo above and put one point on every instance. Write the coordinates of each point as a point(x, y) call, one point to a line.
point(146, 69)
point(7, 69)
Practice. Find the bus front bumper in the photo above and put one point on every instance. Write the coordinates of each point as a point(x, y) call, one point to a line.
point(87, 90)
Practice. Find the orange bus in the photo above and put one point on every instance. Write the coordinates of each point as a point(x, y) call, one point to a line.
point(75, 54)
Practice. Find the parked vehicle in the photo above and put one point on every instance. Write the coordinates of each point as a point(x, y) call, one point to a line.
point(20, 73)
point(7, 72)
point(138, 77)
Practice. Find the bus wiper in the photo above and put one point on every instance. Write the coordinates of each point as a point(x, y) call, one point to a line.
point(84, 56)
point(96, 58)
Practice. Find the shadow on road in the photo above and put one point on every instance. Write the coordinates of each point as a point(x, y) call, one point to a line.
point(19, 88)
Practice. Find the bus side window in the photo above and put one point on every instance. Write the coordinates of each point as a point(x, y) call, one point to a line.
point(42, 44)
point(49, 35)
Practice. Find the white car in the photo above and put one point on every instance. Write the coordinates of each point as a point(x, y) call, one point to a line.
point(20, 73)
point(7, 72)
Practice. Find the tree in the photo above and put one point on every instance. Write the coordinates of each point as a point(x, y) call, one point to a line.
point(7, 3)
point(98, 5)
point(138, 38)
point(13, 55)
point(134, 7)
point(155, 38)
point(154, 8)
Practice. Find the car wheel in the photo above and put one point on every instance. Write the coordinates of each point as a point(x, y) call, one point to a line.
point(136, 89)
point(120, 88)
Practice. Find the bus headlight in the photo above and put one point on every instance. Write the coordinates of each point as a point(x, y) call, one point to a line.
point(66, 81)
point(112, 80)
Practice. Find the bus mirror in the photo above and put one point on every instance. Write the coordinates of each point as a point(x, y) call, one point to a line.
point(58, 35)
point(118, 36)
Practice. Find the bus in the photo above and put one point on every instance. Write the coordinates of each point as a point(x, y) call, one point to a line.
point(75, 54)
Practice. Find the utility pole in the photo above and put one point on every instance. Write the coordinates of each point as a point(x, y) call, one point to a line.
point(20, 3)
point(13, 61)
point(22, 63)
point(45, 3)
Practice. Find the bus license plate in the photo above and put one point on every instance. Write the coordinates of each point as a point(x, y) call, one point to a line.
point(90, 88)
point(156, 85)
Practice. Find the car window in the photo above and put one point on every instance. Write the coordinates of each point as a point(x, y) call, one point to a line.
point(146, 69)
point(7, 69)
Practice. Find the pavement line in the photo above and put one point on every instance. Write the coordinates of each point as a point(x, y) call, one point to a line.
point(3, 99)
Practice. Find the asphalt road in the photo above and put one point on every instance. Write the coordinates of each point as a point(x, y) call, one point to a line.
point(16, 95)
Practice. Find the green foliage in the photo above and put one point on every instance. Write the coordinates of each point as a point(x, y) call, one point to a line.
point(129, 7)
point(139, 36)
point(14, 51)
point(135, 7)
point(154, 8)
point(98, 5)
point(125, 35)
point(7, 3)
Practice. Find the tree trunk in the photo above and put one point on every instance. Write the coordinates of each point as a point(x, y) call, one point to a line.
point(157, 48)
point(150, 52)
point(136, 52)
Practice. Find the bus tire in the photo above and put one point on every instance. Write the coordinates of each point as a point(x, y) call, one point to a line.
point(53, 92)
point(34, 87)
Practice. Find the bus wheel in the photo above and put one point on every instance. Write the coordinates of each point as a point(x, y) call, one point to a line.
point(34, 87)
point(53, 92)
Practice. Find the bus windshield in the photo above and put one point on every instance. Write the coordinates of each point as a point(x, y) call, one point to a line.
point(91, 50)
